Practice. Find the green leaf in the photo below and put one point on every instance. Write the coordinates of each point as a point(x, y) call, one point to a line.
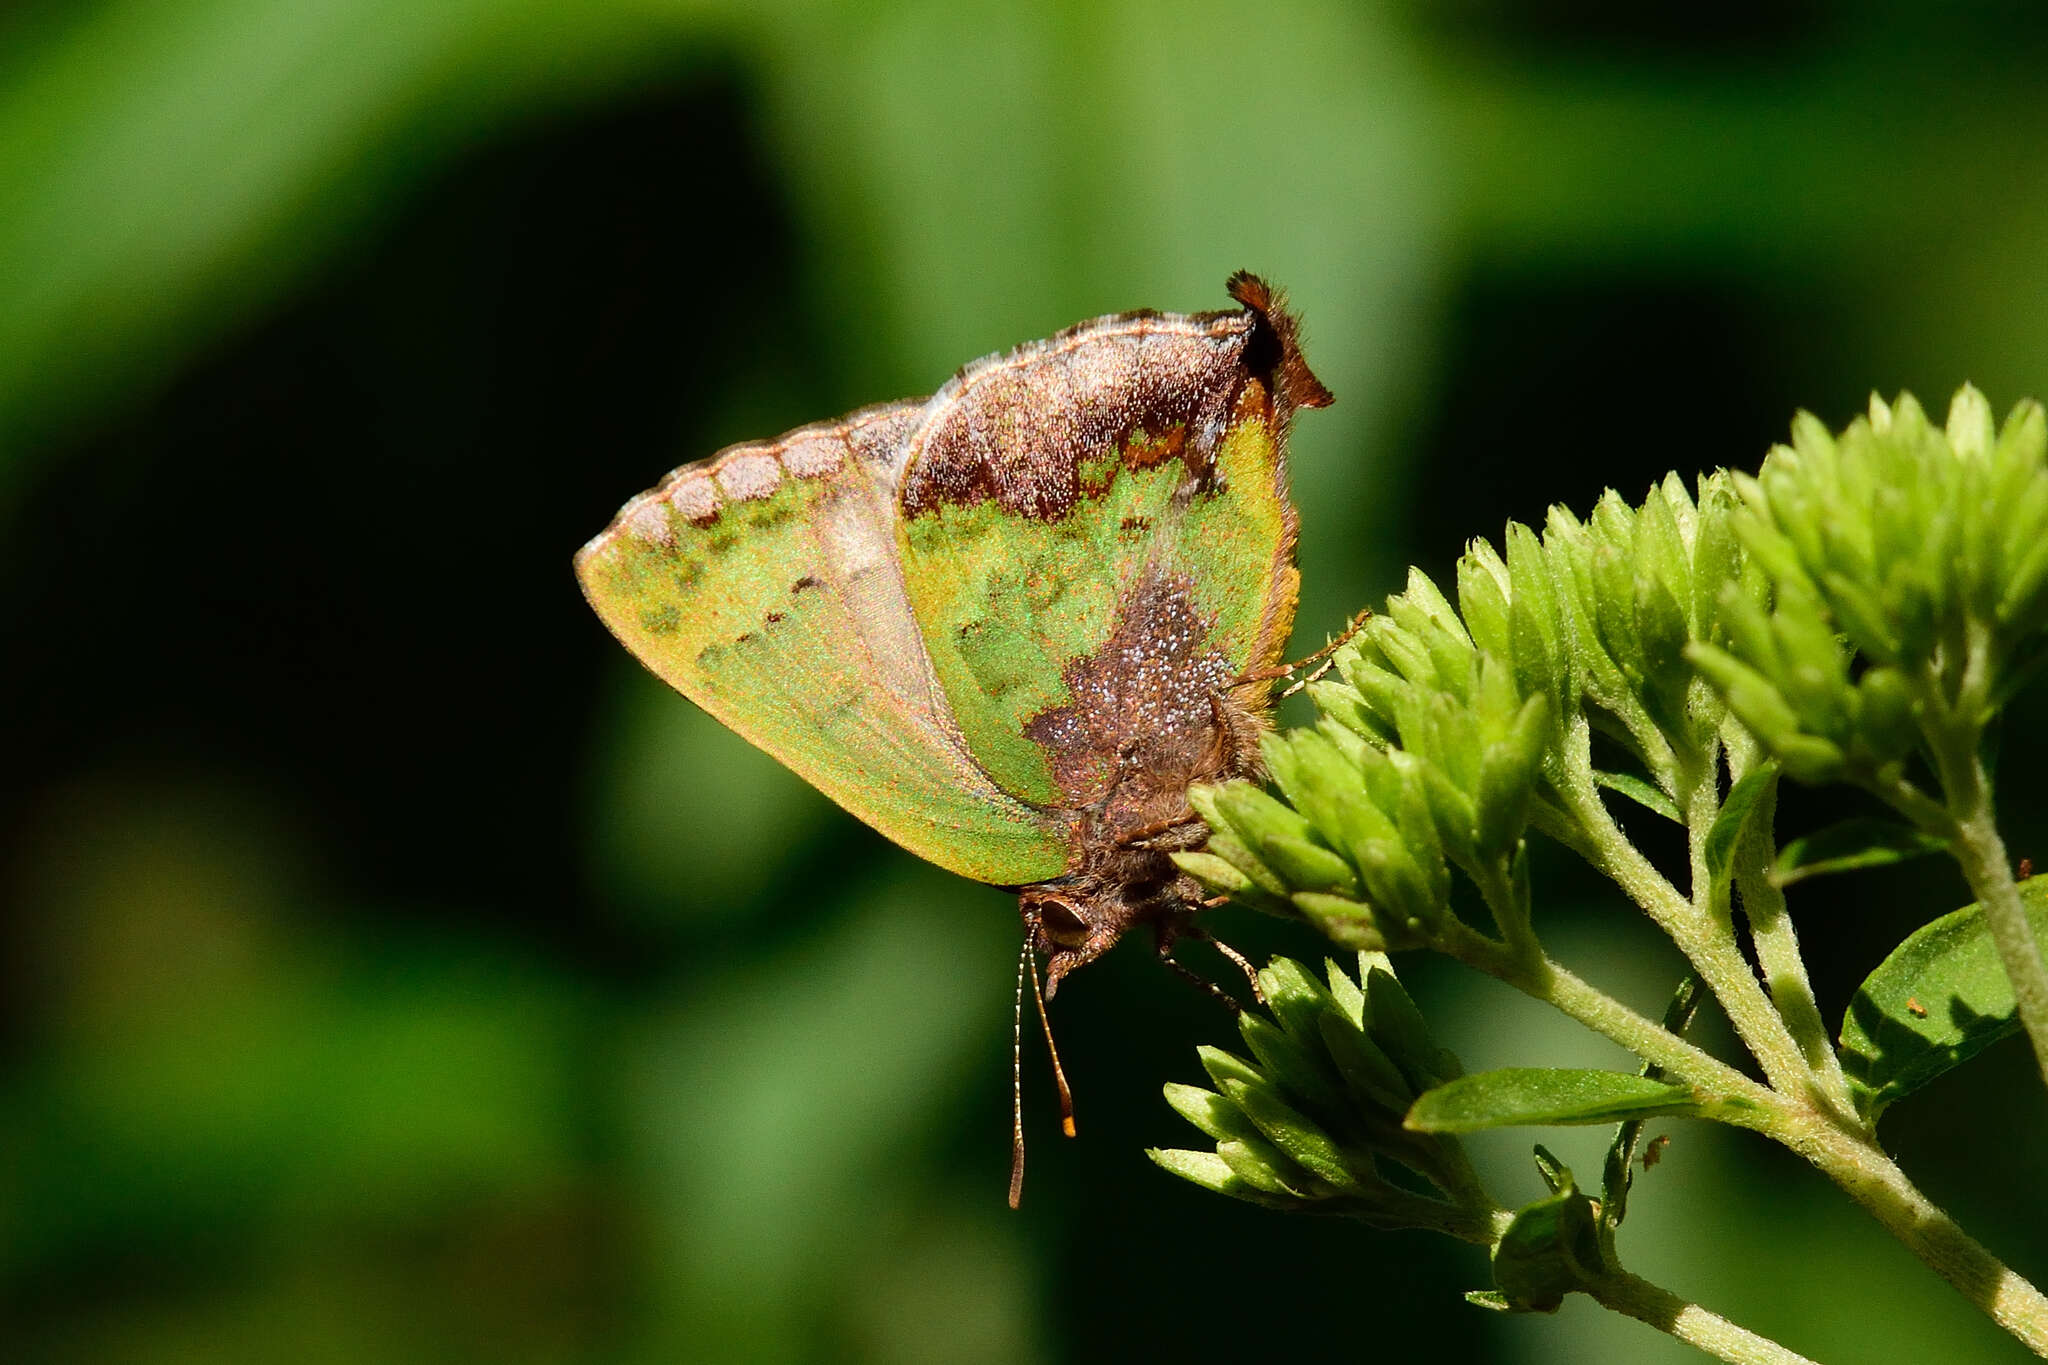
point(1618, 1173)
point(1940, 999)
point(1546, 1095)
point(1640, 792)
point(1866, 841)
point(1726, 834)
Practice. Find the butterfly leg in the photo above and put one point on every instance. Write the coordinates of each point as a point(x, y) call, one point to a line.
point(1137, 838)
point(1170, 932)
point(1200, 982)
point(1321, 659)
point(1324, 659)
point(1242, 963)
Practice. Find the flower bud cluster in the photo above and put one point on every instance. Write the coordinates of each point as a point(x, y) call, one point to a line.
point(1444, 724)
point(1909, 571)
point(1637, 586)
point(1307, 1120)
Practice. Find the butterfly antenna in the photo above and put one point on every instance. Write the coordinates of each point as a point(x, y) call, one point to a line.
point(1024, 964)
point(1059, 1074)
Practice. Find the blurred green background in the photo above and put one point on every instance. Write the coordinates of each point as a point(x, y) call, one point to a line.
point(393, 972)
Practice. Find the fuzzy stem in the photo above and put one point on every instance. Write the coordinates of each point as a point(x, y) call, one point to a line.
point(1849, 1158)
point(1696, 1326)
point(1981, 851)
point(1777, 947)
point(1709, 946)
point(1555, 985)
point(1954, 732)
point(1872, 1179)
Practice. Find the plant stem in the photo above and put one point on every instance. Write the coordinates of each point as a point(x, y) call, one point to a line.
point(1873, 1180)
point(1696, 1326)
point(1708, 945)
point(1848, 1157)
point(1777, 952)
point(1555, 985)
point(1981, 851)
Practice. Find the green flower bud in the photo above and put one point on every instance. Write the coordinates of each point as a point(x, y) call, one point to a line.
point(1264, 1167)
point(1452, 814)
point(1507, 779)
point(1971, 432)
point(1341, 703)
point(1397, 1026)
point(1307, 867)
point(1352, 924)
point(1862, 617)
point(1536, 619)
point(1751, 696)
point(1366, 1069)
point(1224, 1066)
point(1810, 759)
point(1660, 633)
point(1300, 1127)
point(1303, 1142)
point(1241, 875)
point(1254, 816)
point(1216, 1116)
point(1299, 1070)
point(1226, 844)
point(1483, 599)
point(1295, 998)
point(1213, 1173)
point(1716, 557)
point(1884, 715)
point(1661, 552)
point(1405, 654)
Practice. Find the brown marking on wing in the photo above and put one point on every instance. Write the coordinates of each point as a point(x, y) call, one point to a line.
point(1018, 429)
point(1143, 722)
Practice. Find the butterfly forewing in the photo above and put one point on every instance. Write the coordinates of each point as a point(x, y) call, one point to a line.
point(764, 584)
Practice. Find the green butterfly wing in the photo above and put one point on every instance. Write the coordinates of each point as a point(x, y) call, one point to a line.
point(1097, 540)
point(764, 585)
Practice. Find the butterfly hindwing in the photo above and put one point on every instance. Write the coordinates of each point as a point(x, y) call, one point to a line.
point(764, 585)
point(1097, 540)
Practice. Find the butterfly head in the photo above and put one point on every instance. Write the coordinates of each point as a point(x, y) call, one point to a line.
point(1076, 919)
point(1072, 925)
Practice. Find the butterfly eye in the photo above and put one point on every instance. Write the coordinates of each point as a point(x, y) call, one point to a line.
point(1063, 923)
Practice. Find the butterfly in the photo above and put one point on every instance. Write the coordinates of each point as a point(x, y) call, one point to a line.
point(1010, 624)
